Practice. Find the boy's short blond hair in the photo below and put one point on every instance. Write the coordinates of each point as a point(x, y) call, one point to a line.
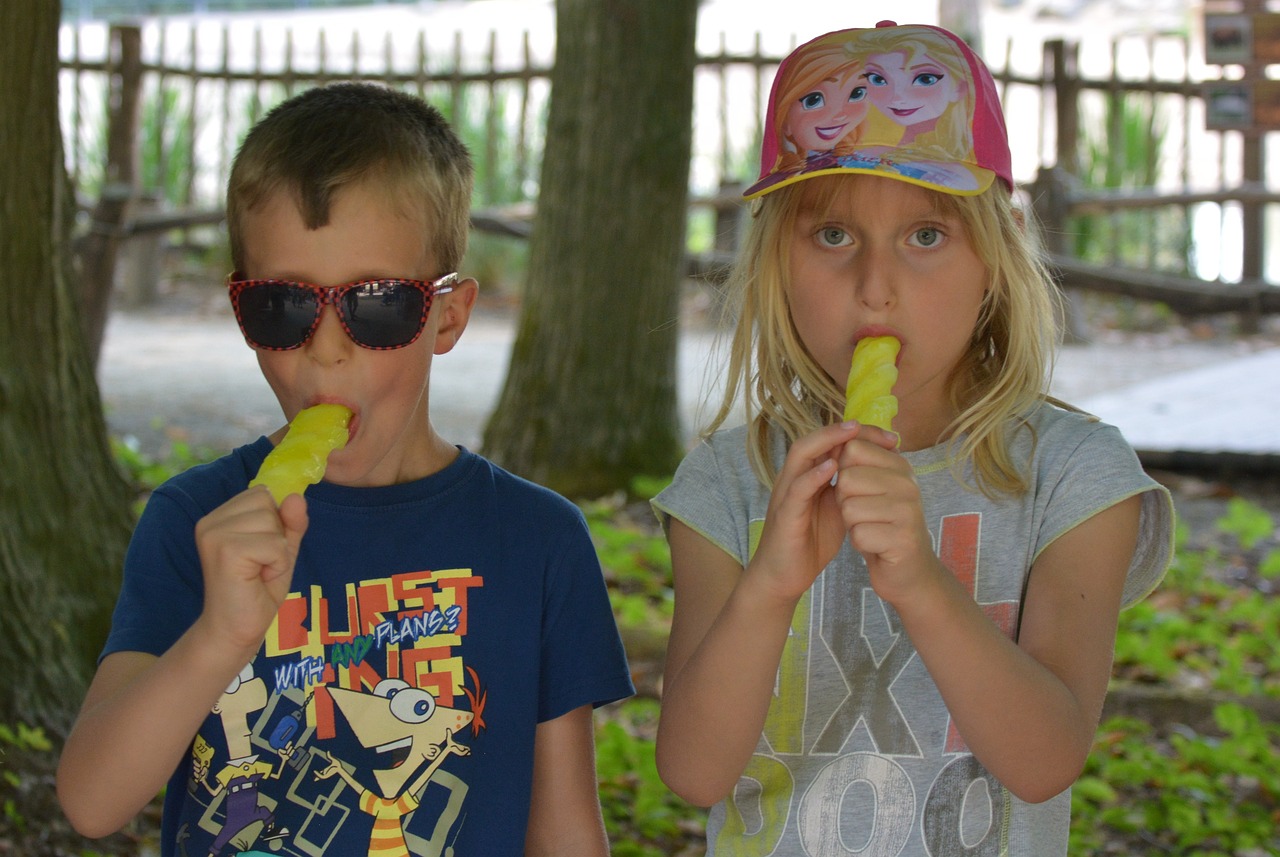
point(330, 137)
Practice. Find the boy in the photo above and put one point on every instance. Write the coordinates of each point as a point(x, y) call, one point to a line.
point(405, 661)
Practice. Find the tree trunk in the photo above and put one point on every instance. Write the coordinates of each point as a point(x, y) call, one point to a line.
point(64, 508)
point(590, 399)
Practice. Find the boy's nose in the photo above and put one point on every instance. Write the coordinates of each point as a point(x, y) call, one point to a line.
point(329, 343)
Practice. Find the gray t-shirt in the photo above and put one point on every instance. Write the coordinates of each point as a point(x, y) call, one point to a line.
point(858, 753)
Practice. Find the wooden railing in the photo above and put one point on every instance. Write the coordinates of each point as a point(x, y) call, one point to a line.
point(176, 117)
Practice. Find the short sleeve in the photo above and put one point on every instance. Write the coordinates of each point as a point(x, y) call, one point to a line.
point(1094, 475)
point(583, 661)
point(701, 497)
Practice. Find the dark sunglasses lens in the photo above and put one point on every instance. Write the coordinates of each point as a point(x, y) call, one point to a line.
point(384, 314)
point(277, 315)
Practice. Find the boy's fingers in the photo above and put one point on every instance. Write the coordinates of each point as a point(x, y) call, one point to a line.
point(293, 516)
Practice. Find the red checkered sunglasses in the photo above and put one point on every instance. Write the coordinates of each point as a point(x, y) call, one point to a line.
point(380, 314)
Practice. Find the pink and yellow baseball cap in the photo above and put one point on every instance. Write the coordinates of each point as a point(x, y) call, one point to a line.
point(910, 102)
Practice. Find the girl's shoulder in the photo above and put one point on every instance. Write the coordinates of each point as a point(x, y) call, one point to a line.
point(1056, 426)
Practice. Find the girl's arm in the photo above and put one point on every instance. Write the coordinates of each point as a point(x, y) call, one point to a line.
point(731, 623)
point(564, 814)
point(1027, 710)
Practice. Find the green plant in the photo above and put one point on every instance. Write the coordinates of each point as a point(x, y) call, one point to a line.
point(1199, 629)
point(1122, 150)
point(636, 562)
point(1248, 522)
point(165, 139)
point(642, 816)
point(1181, 793)
point(19, 739)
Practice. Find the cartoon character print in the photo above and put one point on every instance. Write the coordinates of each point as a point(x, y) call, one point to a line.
point(920, 82)
point(240, 779)
point(822, 102)
point(877, 100)
point(915, 83)
point(412, 735)
point(334, 724)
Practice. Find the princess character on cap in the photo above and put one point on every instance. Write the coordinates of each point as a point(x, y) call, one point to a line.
point(821, 103)
point(896, 642)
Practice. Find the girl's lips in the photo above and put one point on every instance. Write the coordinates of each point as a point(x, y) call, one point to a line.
point(830, 133)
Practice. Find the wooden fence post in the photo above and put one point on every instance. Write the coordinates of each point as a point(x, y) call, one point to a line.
point(1253, 167)
point(97, 253)
point(1061, 63)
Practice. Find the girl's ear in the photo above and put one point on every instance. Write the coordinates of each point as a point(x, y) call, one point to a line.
point(1020, 218)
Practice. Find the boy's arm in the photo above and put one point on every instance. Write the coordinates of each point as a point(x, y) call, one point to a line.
point(564, 814)
point(137, 721)
point(141, 712)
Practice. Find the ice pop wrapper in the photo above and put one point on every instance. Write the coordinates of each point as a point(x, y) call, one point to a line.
point(868, 394)
point(299, 459)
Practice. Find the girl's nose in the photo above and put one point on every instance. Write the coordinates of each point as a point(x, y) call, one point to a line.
point(875, 283)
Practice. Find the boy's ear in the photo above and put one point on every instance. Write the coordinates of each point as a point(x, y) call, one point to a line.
point(455, 311)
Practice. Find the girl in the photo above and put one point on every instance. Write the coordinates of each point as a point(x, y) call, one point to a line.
point(897, 643)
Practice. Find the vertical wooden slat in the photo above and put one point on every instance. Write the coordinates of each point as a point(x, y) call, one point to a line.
point(1117, 222)
point(77, 115)
point(722, 69)
point(388, 60)
point(763, 80)
point(1254, 166)
point(421, 65)
point(455, 82)
point(160, 149)
point(224, 133)
point(491, 124)
point(255, 102)
point(188, 193)
point(289, 72)
point(523, 171)
point(322, 72)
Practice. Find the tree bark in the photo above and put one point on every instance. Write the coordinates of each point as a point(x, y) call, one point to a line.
point(64, 509)
point(589, 401)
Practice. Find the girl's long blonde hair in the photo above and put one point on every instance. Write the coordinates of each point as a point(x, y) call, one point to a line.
point(1001, 378)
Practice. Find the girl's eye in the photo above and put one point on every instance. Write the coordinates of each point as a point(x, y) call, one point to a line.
point(859, 93)
point(927, 79)
point(876, 79)
point(812, 101)
point(926, 236)
point(833, 236)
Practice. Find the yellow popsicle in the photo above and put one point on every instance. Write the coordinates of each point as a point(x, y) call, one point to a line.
point(868, 394)
point(299, 459)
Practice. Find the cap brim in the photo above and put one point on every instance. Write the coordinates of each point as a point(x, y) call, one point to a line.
point(960, 179)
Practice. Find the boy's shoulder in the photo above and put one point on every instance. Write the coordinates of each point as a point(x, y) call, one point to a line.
point(209, 484)
point(508, 487)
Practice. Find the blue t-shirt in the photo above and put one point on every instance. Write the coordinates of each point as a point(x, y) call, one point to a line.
point(430, 627)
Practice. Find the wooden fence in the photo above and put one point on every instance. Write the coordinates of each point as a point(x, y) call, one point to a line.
point(1137, 198)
